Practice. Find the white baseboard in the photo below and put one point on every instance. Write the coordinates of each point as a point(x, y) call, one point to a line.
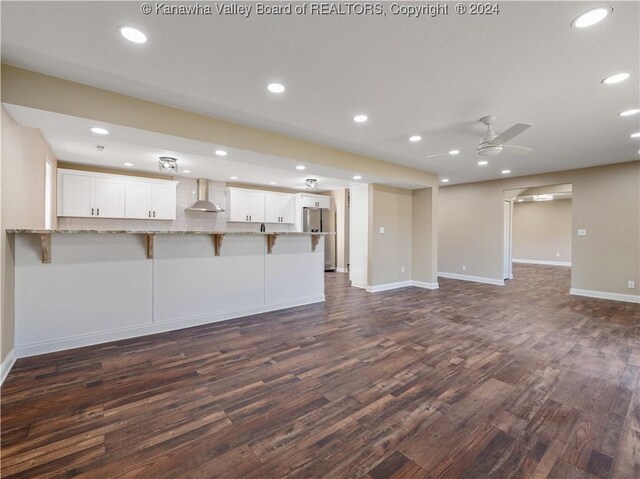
point(629, 298)
point(422, 284)
point(388, 286)
point(7, 364)
point(475, 279)
point(359, 284)
point(540, 261)
point(342, 270)
point(159, 327)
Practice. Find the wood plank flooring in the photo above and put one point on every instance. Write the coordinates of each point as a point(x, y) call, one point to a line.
point(469, 381)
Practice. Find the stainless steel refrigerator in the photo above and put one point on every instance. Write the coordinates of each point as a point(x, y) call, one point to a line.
point(318, 220)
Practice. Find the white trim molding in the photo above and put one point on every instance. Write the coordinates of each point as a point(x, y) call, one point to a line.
point(159, 327)
point(475, 279)
point(628, 298)
point(342, 270)
point(388, 286)
point(541, 261)
point(7, 364)
point(359, 284)
point(422, 284)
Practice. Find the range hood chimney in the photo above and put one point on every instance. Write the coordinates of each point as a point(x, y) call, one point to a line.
point(203, 203)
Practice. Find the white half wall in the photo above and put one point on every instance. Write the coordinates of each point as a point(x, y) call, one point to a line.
point(359, 236)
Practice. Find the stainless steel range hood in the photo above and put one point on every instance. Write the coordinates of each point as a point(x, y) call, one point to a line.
point(203, 203)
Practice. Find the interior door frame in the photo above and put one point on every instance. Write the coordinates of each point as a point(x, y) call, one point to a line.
point(508, 224)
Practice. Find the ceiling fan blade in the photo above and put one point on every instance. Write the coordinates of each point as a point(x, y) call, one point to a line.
point(512, 132)
point(439, 154)
point(518, 150)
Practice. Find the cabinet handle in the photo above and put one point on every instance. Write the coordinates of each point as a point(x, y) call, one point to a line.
point(98, 211)
point(149, 214)
point(249, 217)
point(154, 214)
point(91, 211)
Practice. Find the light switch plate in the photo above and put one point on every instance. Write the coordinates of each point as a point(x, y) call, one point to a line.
point(631, 284)
point(381, 229)
point(582, 232)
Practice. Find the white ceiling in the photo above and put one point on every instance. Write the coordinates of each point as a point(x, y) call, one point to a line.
point(70, 140)
point(429, 76)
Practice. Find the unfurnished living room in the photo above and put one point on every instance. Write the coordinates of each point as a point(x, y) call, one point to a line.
point(264, 240)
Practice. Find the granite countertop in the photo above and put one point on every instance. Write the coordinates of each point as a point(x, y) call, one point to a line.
point(164, 232)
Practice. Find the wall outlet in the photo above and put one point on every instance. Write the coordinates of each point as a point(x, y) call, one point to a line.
point(558, 254)
point(464, 267)
point(381, 229)
point(582, 232)
point(402, 269)
point(631, 284)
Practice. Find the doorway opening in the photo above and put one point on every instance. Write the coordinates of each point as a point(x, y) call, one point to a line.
point(537, 227)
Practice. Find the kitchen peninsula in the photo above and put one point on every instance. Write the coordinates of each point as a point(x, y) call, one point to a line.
point(81, 287)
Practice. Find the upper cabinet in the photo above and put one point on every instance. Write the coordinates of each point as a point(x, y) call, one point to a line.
point(257, 206)
point(91, 195)
point(316, 201)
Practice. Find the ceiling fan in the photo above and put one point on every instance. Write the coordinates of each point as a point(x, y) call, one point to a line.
point(492, 144)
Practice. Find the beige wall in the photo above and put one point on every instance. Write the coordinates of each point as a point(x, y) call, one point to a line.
point(23, 185)
point(424, 249)
point(542, 230)
point(606, 202)
point(389, 251)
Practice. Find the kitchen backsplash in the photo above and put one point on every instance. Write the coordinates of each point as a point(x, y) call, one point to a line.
point(193, 221)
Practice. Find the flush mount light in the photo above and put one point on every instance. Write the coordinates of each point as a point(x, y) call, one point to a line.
point(133, 34)
point(415, 138)
point(311, 184)
point(357, 177)
point(617, 78)
point(128, 164)
point(445, 180)
point(186, 171)
point(454, 152)
point(234, 177)
point(505, 172)
point(633, 111)
point(636, 135)
point(275, 87)
point(591, 17)
point(483, 163)
point(360, 118)
point(542, 197)
point(99, 131)
point(520, 200)
point(221, 153)
point(301, 167)
point(168, 164)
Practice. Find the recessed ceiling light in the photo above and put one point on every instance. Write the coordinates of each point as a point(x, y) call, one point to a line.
point(128, 164)
point(635, 135)
point(357, 177)
point(520, 200)
point(221, 153)
point(454, 152)
point(445, 180)
point(301, 167)
point(415, 138)
point(483, 163)
point(360, 118)
point(505, 172)
point(591, 17)
point(133, 34)
point(275, 87)
point(99, 131)
point(234, 177)
point(272, 182)
point(186, 171)
point(633, 111)
point(617, 78)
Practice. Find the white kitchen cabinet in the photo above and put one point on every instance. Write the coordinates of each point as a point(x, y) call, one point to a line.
point(316, 201)
point(92, 195)
point(109, 198)
point(246, 206)
point(76, 195)
point(279, 208)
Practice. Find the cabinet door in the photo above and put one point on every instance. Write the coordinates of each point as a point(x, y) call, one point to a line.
point(164, 202)
point(238, 205)
point(288, 209)
point(138, 200)
point(109, 198)
point(256, 207)
point(272, 208)
point(77, 195)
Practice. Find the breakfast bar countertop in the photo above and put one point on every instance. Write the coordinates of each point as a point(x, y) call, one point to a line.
point(166, 232)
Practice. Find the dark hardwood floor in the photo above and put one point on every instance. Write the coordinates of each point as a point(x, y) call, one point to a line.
point(470, 381)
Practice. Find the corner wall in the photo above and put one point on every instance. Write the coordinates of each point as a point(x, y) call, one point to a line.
point(606, 202)
point(23, 198)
